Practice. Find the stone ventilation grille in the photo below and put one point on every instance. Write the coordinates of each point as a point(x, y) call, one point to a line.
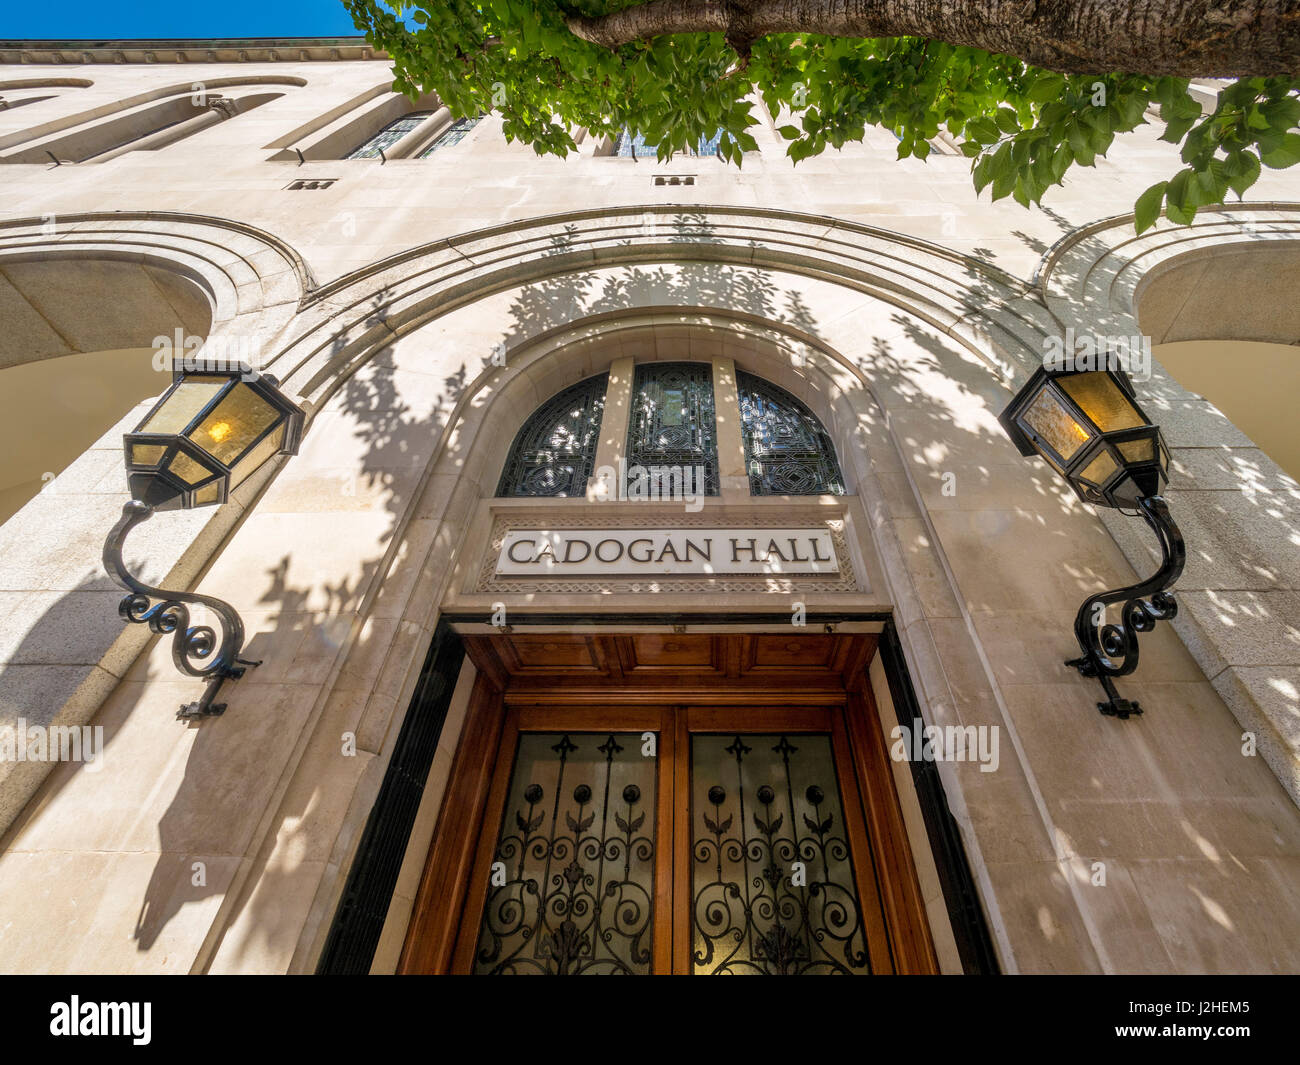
point(310, 183)
point(488, 581)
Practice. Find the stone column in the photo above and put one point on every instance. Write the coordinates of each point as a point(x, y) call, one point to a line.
point(613, 424)
point(732, 478)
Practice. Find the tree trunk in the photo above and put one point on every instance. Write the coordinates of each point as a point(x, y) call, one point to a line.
point(1187, 38)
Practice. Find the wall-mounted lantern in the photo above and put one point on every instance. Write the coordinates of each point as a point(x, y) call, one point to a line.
point(201, 440)
point(1089, 427)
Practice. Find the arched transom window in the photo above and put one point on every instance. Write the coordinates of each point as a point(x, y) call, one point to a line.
point(672, 435)
point(787, 452)
point(555, 450)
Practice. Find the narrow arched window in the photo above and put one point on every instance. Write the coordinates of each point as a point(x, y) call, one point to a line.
point(787, 451)
point(456, 133)
point(555, 451)
point(672, 428)
point(388, 136)
point(633, 145)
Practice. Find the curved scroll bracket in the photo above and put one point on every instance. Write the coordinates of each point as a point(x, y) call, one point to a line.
point(1112, 650)
point(196, 649)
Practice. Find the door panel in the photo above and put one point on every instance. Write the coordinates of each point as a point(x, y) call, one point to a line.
point(570, 872)
point(696, 840)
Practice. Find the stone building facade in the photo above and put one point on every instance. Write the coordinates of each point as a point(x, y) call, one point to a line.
point(420, 305)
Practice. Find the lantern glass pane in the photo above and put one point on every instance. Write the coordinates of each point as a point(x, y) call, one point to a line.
point(207, 494)
point(189, 471)
point(265, 449)
point(184, 405)
point(146, 454)
point(1141, 450)
point(1100, 468)
point(1047, 417)
point(1102, 400)
point(232, 426)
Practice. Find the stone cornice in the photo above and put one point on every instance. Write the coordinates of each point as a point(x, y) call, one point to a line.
point(216, 50)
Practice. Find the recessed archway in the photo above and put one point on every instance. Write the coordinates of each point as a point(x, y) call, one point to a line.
point(77, 353)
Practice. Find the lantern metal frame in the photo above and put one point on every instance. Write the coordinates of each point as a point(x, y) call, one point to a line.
point(1133, 485)
point(145, 478)
point(197, 650)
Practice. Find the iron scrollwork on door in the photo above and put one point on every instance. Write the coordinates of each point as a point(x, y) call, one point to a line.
point(572, 882)
point(787, 451)
point(672, 421)
point(554, 452)
point(773, 888)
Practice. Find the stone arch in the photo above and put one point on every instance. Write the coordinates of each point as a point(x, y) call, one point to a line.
point(1238, 509)
point(424, 325)
point(22, 92)
point(140, 119)
point(239, 282)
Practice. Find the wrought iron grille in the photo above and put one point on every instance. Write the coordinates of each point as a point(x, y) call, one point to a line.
point(773, 891)
point(787, 452)
point(572, 885)
point(672, 421)
point(388, 136)
point(554, 452)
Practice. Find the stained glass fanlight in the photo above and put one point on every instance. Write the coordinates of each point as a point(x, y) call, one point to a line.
point(554, 452)
point(787, 452)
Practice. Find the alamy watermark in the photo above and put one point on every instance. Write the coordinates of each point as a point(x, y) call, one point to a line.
point(951, 743)
point(189, 353)
point(657, 484)
point(1081, 352)
point(53, 743)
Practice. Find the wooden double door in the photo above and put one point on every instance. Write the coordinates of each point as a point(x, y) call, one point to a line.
point(750, 828)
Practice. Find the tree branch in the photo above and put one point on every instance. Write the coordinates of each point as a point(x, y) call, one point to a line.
point(1186, 38)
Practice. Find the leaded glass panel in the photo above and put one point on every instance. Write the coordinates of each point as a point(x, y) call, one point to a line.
point(554, 452)
point(388, 136)
point(455, 134)
point(773, 890)
point(631, 144)
point(672, 422)
point(573, 875)
point(787, 452)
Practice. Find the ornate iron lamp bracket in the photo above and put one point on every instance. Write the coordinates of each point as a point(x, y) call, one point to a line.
point(1112, 650)
point(196, 650)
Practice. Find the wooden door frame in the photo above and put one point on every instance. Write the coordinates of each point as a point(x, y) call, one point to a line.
point(441, 901)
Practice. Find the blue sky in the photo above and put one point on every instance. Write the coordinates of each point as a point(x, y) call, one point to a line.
point(83, 19)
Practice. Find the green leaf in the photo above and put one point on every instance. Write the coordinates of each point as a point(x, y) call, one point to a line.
point(1147, 209)
point(982, 129)
point(1287, 153)
point(1180, 194)
point(1046, 87)
point(1242, 170)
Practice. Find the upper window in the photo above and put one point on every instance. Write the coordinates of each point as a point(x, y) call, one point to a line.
point(787, 452)
point(554, 452)
point(388, 136)
point(672, 437)
point(672, 422)
point(455, 134)
point(634, 145)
